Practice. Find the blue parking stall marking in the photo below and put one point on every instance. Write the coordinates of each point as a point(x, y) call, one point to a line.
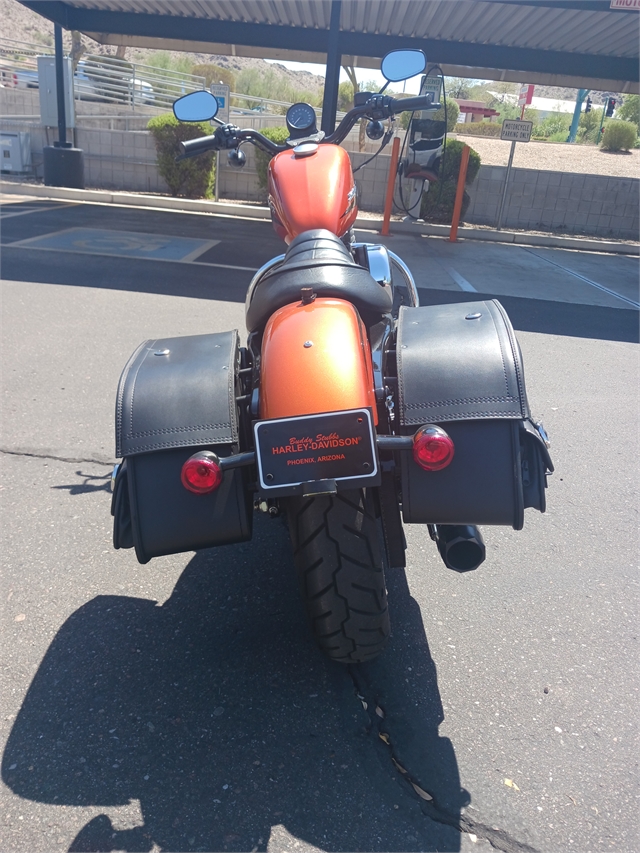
point(130, 244)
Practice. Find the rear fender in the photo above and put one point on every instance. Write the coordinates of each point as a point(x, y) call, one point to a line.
point(315, 358)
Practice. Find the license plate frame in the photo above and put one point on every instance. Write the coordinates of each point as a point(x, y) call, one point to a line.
point(316, 454)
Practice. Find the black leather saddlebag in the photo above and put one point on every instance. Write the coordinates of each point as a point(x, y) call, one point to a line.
point(177, 397)
point(460, 367)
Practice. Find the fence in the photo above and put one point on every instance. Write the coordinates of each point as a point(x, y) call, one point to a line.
point(109, 80)
point(104, 79)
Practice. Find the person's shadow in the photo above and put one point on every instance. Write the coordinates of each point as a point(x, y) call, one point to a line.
point(219, 714)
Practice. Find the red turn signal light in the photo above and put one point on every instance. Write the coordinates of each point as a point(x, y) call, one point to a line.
point(432, 448)
point(201, 473)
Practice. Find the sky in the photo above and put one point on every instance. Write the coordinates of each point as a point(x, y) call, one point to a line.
point(363, 74)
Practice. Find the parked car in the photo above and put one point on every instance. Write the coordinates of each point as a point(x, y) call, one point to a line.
point(22, 78)
point(91, 82)
point(94, 81)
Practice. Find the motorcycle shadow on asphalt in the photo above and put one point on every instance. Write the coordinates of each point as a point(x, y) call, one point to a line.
point(217, 712)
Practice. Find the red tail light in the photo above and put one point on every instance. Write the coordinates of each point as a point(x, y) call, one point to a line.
point(432, 448)
point(201, 473)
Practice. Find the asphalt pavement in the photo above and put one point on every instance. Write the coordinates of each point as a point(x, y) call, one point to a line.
point(182, 705)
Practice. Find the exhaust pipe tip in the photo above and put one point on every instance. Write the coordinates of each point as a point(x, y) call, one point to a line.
point(461, 546)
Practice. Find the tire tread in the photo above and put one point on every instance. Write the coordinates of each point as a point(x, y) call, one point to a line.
point(337, 556)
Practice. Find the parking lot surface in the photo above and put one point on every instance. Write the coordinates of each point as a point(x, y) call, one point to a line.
point(182, 705)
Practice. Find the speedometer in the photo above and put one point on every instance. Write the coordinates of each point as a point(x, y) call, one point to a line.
point(301, 117)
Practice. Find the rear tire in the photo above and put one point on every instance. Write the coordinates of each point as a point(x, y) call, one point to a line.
point(338, 559)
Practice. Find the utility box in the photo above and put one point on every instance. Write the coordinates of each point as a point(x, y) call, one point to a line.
point(48, 91)
point(16, 152)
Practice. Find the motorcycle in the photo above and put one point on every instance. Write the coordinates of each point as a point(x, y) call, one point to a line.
point(350, 410)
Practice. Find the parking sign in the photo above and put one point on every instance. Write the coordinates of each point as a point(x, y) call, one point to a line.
point(221, 93)
point(516, 131)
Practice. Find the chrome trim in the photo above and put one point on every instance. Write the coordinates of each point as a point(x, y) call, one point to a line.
point(114, 474)
point(543, 433)
point(414, 299)
point(274, 262)
point(351, 200)
point(378, 355)
point(378, 261)
point(306, 149)
point(379, 264)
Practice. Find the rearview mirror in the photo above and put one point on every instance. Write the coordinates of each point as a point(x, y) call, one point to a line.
point(196, 106)
point(403, 64)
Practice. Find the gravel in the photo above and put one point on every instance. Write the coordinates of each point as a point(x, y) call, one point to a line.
point(556, 157)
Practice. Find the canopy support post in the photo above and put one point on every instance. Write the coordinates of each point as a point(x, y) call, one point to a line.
point(332, 76)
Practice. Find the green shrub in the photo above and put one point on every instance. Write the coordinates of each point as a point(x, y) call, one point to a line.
point(453, 111)
point(479, 128)
point(437, 204)
point(277, 135)
point(553, 124)
point(560, 136)
point(589, 126)
point(193, 178)
point(619, 136)
point(630, 109)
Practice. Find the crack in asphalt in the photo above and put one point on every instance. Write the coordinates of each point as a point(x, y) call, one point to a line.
point(72, 460)
point(379, 725)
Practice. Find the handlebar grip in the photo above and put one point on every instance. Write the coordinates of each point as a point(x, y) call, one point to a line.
point(420, 102)
point(192, 147)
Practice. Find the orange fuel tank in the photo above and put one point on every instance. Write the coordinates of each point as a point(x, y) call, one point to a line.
point(315, 358)
point(311, 188)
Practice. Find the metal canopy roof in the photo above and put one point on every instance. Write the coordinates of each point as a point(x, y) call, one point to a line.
point(579, 43)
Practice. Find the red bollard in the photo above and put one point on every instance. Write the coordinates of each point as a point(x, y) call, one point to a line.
point(457, 208)
point(393, 168)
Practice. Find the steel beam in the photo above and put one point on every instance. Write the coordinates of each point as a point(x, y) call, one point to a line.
point(60, 91)
point(318, 41)
point(332, 75)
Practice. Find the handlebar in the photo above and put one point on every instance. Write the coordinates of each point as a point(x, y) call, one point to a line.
point(377, 107)
point(193, 147)
point(420, 102)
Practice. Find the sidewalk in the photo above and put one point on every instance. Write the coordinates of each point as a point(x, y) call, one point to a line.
point(364, 222)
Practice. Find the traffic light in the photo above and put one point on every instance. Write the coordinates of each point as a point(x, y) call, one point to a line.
point(611, 105)
point(587, 108)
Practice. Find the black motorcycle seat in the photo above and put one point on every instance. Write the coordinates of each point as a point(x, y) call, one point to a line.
point(318, 259)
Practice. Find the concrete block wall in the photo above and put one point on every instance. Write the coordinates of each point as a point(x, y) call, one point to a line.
point(557, 201)
point(536, 200)
point(118, 159)
point(19, 102)
point(113, 159)
point(240, 184)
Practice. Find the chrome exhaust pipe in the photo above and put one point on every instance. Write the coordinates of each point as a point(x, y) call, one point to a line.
point(461, 546)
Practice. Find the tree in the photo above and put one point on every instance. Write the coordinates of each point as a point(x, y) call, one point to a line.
point(345, 96)
point(214, 74)
point(630, 109)
point(458, 87)
point(353, 80)
point(77, 48)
